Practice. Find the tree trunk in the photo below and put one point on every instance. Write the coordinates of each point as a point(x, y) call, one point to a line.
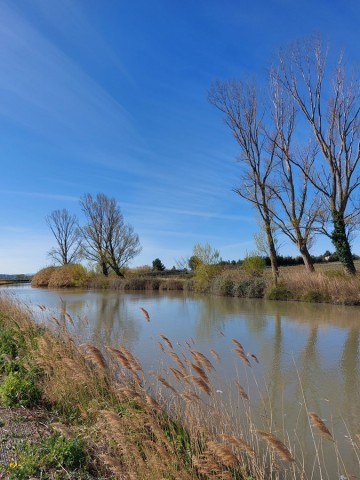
point(272, 253)
point(341, 242)
point(118, 272)
point(309, 265)
point(105, 269)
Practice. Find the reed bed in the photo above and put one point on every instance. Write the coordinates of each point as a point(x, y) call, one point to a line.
point(169, 424)
point(322, 286)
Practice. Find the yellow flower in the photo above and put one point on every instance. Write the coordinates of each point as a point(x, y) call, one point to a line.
point(13, 465)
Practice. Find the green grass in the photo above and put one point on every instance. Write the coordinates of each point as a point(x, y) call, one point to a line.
point(52, 457)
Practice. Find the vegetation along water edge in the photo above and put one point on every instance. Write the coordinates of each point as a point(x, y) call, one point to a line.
point(327, 284)
point(97, 414)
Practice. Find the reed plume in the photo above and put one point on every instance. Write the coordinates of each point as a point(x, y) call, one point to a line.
point(167, 341)
point(200, 357)
point(319, 425)
point(94, 355)
point(241, 390)
point(277, 445)
point(215, 355)
point(239, 443)
point(200, 382)
point(146, 314)
point(223, 453)
point(242, 355)
point(238, 344)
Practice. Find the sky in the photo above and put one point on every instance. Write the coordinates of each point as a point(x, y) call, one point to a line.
point(111, 96)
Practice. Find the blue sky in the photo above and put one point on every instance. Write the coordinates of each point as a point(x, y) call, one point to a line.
point(111, 96)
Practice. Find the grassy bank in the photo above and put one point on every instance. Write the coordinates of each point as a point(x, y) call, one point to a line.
point(105, 418)
point(327, 285)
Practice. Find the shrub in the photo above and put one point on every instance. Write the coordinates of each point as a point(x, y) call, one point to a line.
point(19, 389)
point(250, 288)
point(253, 264)
point(42, 277)
point(71, 275)
point(314, 296)
point(227, 288)
point(280, 292)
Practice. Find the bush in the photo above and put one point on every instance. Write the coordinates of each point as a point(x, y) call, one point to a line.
point(42, 277)
point(71, 275)
point(19, 389)
point(280, 292)
point(253, 264)
point(250, 288)
point(314, 296)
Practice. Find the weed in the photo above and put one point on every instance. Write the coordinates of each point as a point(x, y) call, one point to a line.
point(52, 457)
point(19, 389)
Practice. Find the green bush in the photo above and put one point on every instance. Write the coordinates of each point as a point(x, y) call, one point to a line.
point(253, 264)
point(19, 389)
point(280, 292)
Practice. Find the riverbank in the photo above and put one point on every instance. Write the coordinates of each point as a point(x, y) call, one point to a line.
point(328, 284)
point(95, 418)
point(122, 424)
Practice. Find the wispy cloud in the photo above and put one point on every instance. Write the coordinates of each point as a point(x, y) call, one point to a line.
point(45, 91)
point(189, 213)
point(48, 196)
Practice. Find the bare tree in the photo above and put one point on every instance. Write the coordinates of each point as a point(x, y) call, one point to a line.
point(106, 239)
point(330, 106)
point(297, 209)
point(239, 103)
point(64, 227)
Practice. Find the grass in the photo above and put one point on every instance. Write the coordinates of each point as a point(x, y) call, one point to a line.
point(171, 425)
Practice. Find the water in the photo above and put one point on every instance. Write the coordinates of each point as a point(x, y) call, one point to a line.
point(307, 352)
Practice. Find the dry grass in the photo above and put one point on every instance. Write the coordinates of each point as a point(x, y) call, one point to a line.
point(42, 277)
point(323, 286)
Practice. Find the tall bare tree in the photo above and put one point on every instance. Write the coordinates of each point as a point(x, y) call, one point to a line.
point(239, 104)
point(330, 105)
point(64, 227)
point(106, 239)
point(297, 209)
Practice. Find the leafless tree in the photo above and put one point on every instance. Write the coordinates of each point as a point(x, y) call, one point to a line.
point(298, 210)
point(239, 104)
point(330, 106)
point(64, 227)
point(106, 239)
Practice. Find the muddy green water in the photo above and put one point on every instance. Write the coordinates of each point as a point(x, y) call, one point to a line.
point(308, 354)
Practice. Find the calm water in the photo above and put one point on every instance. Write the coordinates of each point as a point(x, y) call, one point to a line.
point(307, 352)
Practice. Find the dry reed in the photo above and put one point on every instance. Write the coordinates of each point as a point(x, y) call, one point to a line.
point(319, 425)
point(277, 445)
